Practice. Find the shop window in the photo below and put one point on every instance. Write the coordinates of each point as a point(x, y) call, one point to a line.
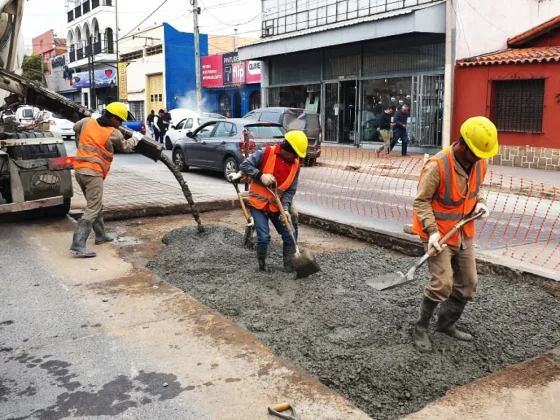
point(255, 100)
point(518, 105)
point(224, 105)
point(296, 68)
point(342, 61)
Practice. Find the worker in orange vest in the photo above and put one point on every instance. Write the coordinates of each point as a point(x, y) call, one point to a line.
point(275, 167)
point(450, 189)
point(97, 141)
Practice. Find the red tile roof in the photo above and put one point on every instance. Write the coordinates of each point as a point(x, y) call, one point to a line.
point(515, 56)
point(532, 33)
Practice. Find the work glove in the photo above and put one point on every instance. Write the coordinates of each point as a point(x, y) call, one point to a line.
point(482, 208)
point(268, 180)
point(234, 176)
point(434, 242)
point(288, 218)
point(137, 137)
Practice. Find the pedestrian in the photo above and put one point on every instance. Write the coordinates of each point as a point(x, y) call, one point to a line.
point(449, 190)
point(385, 126)
point(167, 120)
point(150, 122)
point(159, 127)
point(275, 167)
point(98, 140)
point(401, 120)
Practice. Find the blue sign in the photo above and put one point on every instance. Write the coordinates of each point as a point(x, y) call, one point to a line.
point(103, 78)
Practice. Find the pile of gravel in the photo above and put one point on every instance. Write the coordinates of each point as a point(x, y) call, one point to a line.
point(355, 339)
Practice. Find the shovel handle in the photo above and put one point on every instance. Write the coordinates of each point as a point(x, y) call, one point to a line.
point(242, 202)
point(432, 251)
point(284, 217)
point(281, 407)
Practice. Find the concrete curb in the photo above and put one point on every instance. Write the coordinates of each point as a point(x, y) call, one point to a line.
point(412, 246)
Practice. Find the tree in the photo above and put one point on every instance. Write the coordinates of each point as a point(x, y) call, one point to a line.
point(32, 67)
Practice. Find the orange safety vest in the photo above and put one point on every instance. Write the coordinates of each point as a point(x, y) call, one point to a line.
point(259, 197)
point(449, 204)
point(92, 153)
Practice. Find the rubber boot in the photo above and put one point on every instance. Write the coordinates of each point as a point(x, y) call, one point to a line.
point(99, 228)
point(287, 251)
point(81, 233)
point(450, 312)
point(420, 335)
point(261, 258)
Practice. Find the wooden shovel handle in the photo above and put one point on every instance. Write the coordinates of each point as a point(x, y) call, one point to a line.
point(432, 251)
point(242, 202)
point(282, 212)
point(281, 407)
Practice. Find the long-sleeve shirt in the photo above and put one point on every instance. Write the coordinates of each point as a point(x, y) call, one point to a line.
point(385, 123)
point(400, 120)
point(428, 187)
point(251, 167)
point(116, 141)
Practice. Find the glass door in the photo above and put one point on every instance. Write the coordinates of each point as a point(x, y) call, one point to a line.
point(331, 123)
point(427, 112)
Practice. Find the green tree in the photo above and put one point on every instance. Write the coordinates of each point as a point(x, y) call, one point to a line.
point(32, 67)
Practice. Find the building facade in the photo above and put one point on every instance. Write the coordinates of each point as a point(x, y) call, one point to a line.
point(48, 46)
point(356, 59)
point(91, 62)
point(231, 87)
point(518, 88)
point(160, 68)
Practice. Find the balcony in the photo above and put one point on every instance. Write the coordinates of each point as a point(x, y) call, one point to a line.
point(72, 55)
point(78, 12)
point(97, 47)
point(79, 53)
point(87, 50)
point(85, 7)
point(94, 4)
point(70, 16)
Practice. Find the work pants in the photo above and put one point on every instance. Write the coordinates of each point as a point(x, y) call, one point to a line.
point(92, 188)
point(159, 135)
point(261, 219)
point(402, 134)
point(386, 137)
point(453, 272)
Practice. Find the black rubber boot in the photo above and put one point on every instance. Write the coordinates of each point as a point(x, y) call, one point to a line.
point(99, 228)
point(287, 252)
point(450, 312)
point(261, 258)
point(420, 335)
point(81, 233)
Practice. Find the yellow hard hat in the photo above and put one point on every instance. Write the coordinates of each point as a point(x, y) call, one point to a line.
point(118, 109)
point(481, 135)
point(298, 141)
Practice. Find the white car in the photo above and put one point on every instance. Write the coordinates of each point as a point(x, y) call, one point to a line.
point(26, 116)
point(59, 126)
point(190, 123)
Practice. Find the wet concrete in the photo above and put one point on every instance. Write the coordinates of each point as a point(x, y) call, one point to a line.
point(353, 338)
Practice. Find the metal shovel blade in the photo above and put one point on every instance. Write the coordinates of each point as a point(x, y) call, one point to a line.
point(388, 281)
point(305, 264)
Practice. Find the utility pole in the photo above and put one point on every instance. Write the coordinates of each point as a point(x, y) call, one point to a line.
point(117, 45)
point(196, 12)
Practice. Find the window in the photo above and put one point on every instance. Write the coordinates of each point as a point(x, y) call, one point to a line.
point(134, 55)
point(268, 131)
point(155, 50)
point(137, 109)
point(206, 130)
point(270, 116)
point(518, 105)
point(224, 130)
point(189, 123)
point(180, 125)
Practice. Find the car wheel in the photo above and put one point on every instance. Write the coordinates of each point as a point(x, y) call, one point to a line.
point(230, 166)
point(179, 160)
point(168, 144)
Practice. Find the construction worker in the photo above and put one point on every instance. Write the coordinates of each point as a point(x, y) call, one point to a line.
point(450, 189)
point(98, 139)
point(276, 168)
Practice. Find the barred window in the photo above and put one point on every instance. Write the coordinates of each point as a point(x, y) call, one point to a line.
point(134, 55)
point(155, 50)
point(518, 105)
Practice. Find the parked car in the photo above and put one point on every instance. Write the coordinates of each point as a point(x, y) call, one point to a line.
point(134, 124)
point(295, 119)
point(187, 124)
point(59, 126)
point(219, 145)
point(26, 116)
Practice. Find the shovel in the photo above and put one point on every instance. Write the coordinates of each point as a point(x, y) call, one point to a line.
point(250, 228)
point(389, 281)
point(303, 261)
point(278, 410)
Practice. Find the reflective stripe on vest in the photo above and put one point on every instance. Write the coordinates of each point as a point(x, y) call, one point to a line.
point(92, 153)
point(259, 197)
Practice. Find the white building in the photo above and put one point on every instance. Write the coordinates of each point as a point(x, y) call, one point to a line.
point(92, 51)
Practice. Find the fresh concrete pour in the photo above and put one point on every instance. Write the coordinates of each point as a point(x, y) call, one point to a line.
point(355, 339)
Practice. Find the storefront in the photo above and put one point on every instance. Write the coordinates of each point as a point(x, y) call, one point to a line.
point(354, 69)
point(230, 87)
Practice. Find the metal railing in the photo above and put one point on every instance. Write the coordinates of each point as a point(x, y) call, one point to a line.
point(72, 56)
point(97, 47)
point(79, 53)
point(290, 19)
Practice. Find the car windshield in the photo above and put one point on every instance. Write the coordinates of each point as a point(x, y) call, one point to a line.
point(302, 122)
point(27, 113)
point(57, 116)
point(266, 131)
point(204, 120)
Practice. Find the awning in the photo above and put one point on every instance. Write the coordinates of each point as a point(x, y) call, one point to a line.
point(428, 18)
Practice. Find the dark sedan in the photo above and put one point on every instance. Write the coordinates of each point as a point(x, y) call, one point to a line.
point(219, 145)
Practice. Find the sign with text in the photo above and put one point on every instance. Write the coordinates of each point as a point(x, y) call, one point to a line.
point(212, 71)
point(231, 60)
point(123, 81)
point(253, 72)
point(103, 78)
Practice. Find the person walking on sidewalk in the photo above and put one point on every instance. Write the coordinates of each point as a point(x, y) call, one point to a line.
point(150, 122)
point(159, 127)
point(98, 140)
point(401, 120)
point(275, 167)
point(450, 189)
point(385, 129)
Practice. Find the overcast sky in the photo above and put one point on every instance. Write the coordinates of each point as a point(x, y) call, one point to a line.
point(218, 17)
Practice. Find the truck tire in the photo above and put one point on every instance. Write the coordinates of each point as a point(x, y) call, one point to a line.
point(61, 210)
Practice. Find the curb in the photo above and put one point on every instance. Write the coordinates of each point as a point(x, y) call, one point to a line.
point(134, 212)
point(412, 246)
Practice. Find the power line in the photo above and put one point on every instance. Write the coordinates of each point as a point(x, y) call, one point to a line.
point(149, 16)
